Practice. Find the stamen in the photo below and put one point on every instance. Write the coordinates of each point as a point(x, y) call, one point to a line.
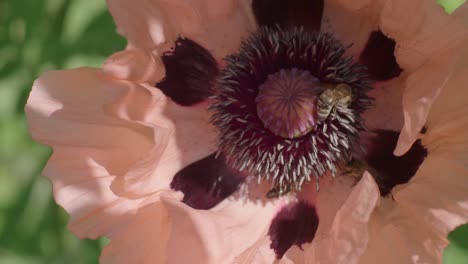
point(288, 107)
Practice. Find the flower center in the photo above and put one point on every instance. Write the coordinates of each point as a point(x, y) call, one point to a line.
point(286, 103)
point(288, 107)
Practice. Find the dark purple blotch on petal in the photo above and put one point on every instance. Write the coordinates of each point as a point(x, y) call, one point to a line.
point(190, 73)
point(423, 130)
point(295, 224)
point(378, 56)
point(290, 13)
point(390, 170)
point(206, 182)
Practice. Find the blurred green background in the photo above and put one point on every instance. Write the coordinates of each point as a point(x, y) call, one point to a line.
point(40, 35)
point(36, 36)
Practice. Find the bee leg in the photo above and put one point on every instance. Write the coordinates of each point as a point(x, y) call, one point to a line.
point(278, 191)
point(273, 193)
point(355, 167)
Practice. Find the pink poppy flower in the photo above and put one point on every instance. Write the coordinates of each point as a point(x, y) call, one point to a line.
point(233, 132)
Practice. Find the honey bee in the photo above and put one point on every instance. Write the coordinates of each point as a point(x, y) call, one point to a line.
point(355, 167)
point(278, 191)
point(333, 95)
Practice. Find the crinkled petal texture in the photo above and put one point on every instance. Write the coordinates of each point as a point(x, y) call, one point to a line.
point(137, 65)
point(425, 35)
point(219, 26)
point(351, 21)
point(104, 133)
point(445, 170)
point(416, 223)
point(431, 48)
point(348, 236)
point(236, 230)
point(181, 234)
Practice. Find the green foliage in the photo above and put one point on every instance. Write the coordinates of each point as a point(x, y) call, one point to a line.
point(457, 251)
point(35, 36)
point(39, 35)
point(450, 5)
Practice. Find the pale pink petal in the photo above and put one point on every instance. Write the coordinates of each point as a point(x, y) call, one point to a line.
point(424, 86)
point(67, 107)
point(182, 234)
point(81, 185)
point(66, 110)
point(191, 138)
point(259, 252)
point(461, 14)
point(110, 132)
point(387, 112)
point(438, 193)
point(428, 41)
point(146, 24)
point(450, 109)
point(224, 25)
point(347, 238)
point(223, 232)
point(135, 65)
point(219, 26)
point(145, 240)
point(332, 195)
point(351, 21)
point(415, 224)
point(398, 237)
point(296, 255)
point(421, 29)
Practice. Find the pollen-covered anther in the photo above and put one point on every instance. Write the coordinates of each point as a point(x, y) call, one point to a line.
point(286, 102)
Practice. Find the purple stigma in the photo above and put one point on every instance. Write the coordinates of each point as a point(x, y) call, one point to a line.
point(286, 102)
